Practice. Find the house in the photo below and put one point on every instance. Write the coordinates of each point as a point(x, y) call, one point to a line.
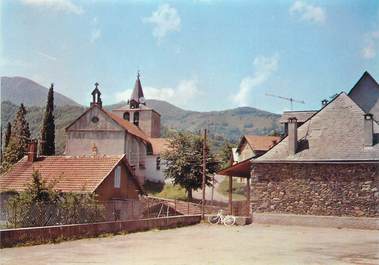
point(329, 164)
point(133, 130)
point(253, 146)
point(111, 178)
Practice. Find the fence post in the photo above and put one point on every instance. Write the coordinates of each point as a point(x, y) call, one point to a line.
point(148, 208)
point(132, 209)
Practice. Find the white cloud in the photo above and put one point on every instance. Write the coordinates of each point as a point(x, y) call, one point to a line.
point(59, 5)
point(95, 35)
point(263, 69)
point(165, 19)
point(371, 47)
point(180, 95)
point(47, 56)
point(308, 12)
point(96, 31)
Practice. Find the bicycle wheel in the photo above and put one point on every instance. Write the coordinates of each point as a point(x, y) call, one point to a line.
point(229, 220)
point(213, 219)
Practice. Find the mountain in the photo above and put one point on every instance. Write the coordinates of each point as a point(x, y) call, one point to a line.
point(22, 90)
point(232, 123)
point(228, 124)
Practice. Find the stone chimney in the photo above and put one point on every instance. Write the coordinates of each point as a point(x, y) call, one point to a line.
point(292, 136)
point(32, 151)
point(368, 130)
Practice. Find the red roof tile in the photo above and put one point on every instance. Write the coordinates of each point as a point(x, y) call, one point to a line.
point(131, 128)
point(72, 174)
point(260, 143)
point(159, 145)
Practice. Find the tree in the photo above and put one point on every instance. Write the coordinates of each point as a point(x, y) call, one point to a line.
point(48, 126)
point(40, 205)
point(7, 135)
point(226, 153)
point(184, 161)
point(18, 141)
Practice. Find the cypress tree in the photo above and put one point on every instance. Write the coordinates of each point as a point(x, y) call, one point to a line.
point(17, 145)
point(7, 135)
point(48, 126)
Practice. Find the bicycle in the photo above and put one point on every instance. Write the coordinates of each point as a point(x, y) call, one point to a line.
point(227, 220)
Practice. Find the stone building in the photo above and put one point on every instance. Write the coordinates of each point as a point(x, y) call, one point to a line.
point(329, 165)
point(133, 130)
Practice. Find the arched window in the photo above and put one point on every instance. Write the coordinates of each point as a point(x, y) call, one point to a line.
point(126, 116)
point(136, 118)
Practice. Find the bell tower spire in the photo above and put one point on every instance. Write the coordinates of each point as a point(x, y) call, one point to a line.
point(96, 96)
point(137, 96)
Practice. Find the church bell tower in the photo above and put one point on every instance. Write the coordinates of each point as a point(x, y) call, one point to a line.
point(138, 113)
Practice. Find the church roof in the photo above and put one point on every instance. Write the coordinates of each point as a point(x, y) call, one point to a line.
point(137, 91)
point(128, 126)
point(333, 134)
point(159, 145)
point(71, 173)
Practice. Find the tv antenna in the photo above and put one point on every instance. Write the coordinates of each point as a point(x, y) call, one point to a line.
point(292, 100)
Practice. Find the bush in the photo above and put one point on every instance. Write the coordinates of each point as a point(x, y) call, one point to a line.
point(41, 205)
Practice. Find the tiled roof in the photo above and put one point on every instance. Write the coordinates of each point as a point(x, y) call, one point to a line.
point(258, 142)
point(72, 174)
point(301, 116)
point(131, 128)
point(159, 145)
point(335, 133)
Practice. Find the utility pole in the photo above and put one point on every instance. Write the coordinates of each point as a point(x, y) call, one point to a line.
point(204, 173)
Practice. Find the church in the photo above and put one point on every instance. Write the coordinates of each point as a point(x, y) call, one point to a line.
point(133, 130)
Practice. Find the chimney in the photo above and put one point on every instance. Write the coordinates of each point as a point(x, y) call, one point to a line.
point(32, 151)
point(94, 150)
point(368, 131)
point(292, 136)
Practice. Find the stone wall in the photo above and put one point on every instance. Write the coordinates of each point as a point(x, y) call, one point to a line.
point(48, 234)
point(316, 189)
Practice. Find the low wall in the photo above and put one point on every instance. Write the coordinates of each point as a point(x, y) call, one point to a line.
point(316, 189)
point(317, 221)
point(39, 235)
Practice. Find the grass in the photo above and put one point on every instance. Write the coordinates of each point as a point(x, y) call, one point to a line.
point(238, 190)
point(171, 192)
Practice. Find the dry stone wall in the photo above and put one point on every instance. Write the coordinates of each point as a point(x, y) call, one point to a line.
point(316, 189)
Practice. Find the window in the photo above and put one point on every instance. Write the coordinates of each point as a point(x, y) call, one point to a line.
point(158, 166)
point(95, 119)
point(126, 116)
point(117, 177)
point(136, 118)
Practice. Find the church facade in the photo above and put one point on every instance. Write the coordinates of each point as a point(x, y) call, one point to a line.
point(133, 130)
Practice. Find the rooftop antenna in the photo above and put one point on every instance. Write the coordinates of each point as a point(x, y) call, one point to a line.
point(292, 100)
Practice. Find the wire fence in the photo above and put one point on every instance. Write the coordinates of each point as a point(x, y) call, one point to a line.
point(42, 214)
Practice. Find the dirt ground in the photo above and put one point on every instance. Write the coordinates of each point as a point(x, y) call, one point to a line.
point(206, 244)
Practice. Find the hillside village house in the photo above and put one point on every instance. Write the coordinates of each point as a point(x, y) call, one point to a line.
point(133, 130)
point(328, 165)
point(110, 177)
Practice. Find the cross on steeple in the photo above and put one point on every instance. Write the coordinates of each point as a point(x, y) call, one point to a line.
point(96, 99)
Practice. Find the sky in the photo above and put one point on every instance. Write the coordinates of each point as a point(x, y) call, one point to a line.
point(200, 55)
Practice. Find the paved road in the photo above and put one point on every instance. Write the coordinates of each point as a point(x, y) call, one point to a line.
point(208, 192)
point(206, 244)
